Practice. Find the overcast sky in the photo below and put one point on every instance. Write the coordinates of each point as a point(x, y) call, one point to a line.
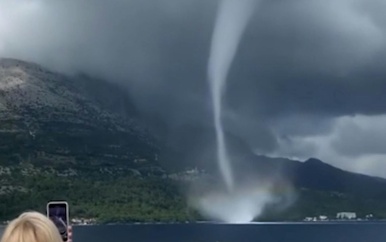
point(308, 80)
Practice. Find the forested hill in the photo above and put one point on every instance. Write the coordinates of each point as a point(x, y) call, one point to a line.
point(67, 138)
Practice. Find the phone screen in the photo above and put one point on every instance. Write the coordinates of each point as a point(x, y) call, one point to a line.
point(58, 213)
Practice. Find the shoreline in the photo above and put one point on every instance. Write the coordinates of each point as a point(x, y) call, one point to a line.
point(247, 223)
point(336, 222)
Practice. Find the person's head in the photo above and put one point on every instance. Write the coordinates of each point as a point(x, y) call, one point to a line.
point(31, 227)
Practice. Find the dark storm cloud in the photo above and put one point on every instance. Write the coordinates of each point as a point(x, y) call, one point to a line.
point(313, 56)
point(301, 64)
point(156, 47)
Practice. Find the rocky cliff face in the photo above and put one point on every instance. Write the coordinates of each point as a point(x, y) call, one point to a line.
point(50, 118)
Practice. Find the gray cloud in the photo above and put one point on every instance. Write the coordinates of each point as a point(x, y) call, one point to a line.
point(301, 64)
point(361, 136)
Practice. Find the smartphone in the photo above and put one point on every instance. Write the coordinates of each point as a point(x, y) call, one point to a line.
point(58, 212)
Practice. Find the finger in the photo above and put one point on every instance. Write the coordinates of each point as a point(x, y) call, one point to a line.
point(69, 233)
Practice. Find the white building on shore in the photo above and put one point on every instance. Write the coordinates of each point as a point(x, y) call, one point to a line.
point(346, 215)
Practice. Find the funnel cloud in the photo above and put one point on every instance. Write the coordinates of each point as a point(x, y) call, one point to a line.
point(235, 204)
point(231, 21)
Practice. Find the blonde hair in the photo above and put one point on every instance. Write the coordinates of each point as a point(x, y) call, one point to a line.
point(31, 227)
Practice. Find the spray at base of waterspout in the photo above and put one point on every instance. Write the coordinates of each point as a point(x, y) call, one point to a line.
point(242, 205)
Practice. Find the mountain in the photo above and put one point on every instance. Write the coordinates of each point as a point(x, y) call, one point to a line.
point(51, 118)
point(81, 139)
point(314, 174)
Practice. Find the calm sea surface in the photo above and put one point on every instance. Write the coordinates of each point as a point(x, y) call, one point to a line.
point(326, 232)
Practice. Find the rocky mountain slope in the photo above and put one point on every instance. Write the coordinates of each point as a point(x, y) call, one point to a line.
point(50, 118)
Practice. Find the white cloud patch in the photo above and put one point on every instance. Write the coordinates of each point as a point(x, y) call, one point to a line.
point(356, 143)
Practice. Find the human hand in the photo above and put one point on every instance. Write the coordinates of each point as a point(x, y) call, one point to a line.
point(69, 233)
